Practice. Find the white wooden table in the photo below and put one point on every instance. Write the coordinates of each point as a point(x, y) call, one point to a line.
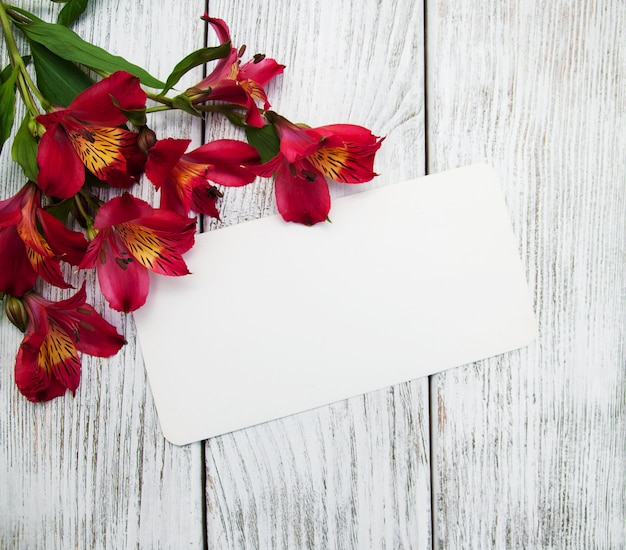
point(526, 450)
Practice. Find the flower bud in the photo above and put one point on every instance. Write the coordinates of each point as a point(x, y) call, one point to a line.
point(146, 140)
point(90, 233)
point(35, 128)
point(16, 312)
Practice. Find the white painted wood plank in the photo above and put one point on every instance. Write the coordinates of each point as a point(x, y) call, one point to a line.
point(529, 448)
point(94, 471)
point(354, 474)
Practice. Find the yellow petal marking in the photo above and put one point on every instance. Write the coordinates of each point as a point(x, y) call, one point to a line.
point(184, 173)
point(253, 90)
point(100, 147)
point(58, 351)
point(331, 161)
point(145, 246)
point(35, 242)
point(37, 248)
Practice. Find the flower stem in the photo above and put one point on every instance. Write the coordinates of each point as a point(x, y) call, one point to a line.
point(159, 108)
point(25, 83)
point(160, 99)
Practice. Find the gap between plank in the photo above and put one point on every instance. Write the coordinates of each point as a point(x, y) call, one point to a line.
point(203, 444)
point(431, 379)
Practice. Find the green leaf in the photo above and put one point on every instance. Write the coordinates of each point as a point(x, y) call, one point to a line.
point(61, 210)
point(194, 59)
point(24, 150)
point(264, 140)
point(7, 106)
point(67, 44)
point(60, 81)
point(235, 117)
point(183, 103)
point(6, 73)
point(136, 116)
point(71, 11)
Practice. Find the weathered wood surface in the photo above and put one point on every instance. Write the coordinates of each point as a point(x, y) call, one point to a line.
point(356, 474)
point(94, 471)
point(528, 449)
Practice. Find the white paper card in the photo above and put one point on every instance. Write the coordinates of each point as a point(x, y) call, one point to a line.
point(277, 318)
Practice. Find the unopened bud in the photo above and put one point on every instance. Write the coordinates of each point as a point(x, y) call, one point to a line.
point(146, 140)
point(35, 128)
point(90, 233)
point(16, 312)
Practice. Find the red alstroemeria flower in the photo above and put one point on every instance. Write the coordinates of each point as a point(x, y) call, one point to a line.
point(47, 362)
point(341, 152)
point(183, 178)
point(235, 83)
point(133, 238)
point(88, 134)
point(33, 242)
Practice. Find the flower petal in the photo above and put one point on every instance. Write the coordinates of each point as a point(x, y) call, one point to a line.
point(227, 67)
point(349, 164)
point(299, 200)
point(220, 27)
point(262, 71)
point(123, 281)
point(227, 161)
point(121, 209)
point(96, 336)
point(35, 383)
point(100, 149)
point(295, 142)
point(66, 244)
point(159, 251)
point(162, 159)
point(58, 356)
point(47, 268)
point(92, 334)
point(61, 173)
point(17, 276)
point(204, 199)
point(176, 194)
point(349, 133)
point(230, 91)
point(347, 154)
point(11, 208)
point(101, 103)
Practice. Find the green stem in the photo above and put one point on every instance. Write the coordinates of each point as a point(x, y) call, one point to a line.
point(159, 108)
point(25, 83)
point(81, 207)
point(218, 108)
point(160, 99)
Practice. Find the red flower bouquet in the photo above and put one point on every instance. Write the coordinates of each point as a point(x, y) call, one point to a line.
point(85, 146)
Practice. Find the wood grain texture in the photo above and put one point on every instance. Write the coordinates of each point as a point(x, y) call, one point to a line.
point(94, 471)
point(355, 474)
point(529, 448)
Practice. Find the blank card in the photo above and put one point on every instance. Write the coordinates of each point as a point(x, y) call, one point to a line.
point(277, 318)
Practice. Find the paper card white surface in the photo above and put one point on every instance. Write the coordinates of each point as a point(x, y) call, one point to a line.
point(278, 318)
